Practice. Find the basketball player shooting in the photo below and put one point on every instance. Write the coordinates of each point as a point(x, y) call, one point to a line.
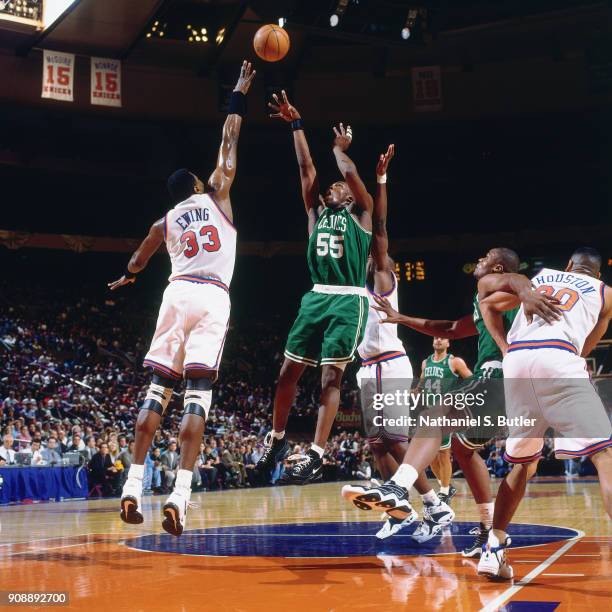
point(193, 318)
point(331, 320)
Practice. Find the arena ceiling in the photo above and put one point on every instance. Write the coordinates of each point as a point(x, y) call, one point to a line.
point(368, 33)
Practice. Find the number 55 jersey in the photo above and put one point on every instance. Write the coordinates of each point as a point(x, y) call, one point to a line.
point(194, 314)
point(332, 317)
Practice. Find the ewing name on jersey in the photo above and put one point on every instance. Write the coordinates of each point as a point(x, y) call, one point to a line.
point(201, 241)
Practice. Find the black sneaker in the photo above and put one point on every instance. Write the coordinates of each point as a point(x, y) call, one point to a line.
point(475, 550)
point(446, 497)
point(276, 450)
point(389, 497)
point(309, 469)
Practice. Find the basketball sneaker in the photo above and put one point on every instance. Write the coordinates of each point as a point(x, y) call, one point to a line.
point(308, 469)
point(475, 549)
point(275, 450)
point(446, 497)
point(351, 491)
point(392, 525)
point(175, 512)
point(493, 563)
point(435, 518)
point(131, 502)
point(388, 496)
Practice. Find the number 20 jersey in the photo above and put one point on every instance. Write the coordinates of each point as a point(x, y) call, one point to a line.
point(200, 240)
point(338, 249)
point(581, 300)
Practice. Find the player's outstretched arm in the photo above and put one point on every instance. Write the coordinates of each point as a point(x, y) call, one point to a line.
point(453, 330)
point(342, 141)
point(512, 290)
point(383, 281)
point(283, 109)
point(142, 254)
point(601, 326)
point(223, 175)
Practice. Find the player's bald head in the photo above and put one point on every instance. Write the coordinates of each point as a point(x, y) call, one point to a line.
point(507, 258)
point(586, 259)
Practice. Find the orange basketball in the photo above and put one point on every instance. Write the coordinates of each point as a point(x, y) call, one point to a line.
point(271, 43)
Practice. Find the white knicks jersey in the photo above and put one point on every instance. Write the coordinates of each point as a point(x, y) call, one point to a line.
point(581, 300)
point(200, 240)
point(380, 337)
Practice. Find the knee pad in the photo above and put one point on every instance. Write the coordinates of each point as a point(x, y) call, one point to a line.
point(198, 402)
point(158, 395)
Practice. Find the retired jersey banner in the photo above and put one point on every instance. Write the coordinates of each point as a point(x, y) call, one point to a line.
point(427, 88)
point(58, 76)
point(105, 81)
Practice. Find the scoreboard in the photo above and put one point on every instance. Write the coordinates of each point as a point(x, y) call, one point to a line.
point(21, 12)
point(410, 271)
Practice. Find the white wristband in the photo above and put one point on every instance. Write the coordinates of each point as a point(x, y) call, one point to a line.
point(381, 180)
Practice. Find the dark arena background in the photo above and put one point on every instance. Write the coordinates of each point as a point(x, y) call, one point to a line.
point(501, 116)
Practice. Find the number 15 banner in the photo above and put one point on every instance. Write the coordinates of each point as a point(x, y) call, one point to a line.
point(105, 81)
point(58, 76)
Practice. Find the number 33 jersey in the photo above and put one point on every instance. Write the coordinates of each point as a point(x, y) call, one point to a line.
point(581, 300)
point(338, 249)
point(200, 240)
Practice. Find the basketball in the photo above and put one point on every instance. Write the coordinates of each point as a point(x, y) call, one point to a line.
point(271, 43)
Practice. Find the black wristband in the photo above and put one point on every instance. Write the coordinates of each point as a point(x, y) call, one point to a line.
point(128, 274)
point(237, 104)
point(297, 124)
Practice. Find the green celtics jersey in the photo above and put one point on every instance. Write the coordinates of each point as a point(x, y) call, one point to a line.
point(438, 376)
point(487, 349)
point(338, 249)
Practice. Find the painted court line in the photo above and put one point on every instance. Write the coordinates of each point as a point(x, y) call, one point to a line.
point(534, 573)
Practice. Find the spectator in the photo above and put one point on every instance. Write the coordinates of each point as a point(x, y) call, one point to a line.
point(170, 465)
point(37, 456)
point(102, 472)
point(90, 448)
point(7, 454)
point(364, 470)
point(50, 455)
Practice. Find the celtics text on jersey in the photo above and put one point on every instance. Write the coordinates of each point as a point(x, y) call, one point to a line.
point(338, 249)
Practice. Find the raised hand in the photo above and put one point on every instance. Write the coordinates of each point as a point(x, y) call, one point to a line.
point(343, 137)
point(384, 159)
point(385, 306)
point(283, 109)
point(246, 77)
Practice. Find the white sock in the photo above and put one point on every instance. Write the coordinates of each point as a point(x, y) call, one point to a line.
point(278, 435)
point(497, 537)
point(318, 450)
point(183, 480)
point(405, 476)
point(136, 471)
point(430, 498)
point(444, 490)
point(486, 514)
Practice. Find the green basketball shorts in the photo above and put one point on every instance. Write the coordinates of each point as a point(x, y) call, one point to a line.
point(328, 329)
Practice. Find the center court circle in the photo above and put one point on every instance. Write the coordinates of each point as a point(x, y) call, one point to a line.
point(319, 540)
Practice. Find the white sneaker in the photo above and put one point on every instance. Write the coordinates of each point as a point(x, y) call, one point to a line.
point(392, 525)
point(351, 491)
point(131, 502)
point(175, 512)
point(435, 518)
point(493, 563)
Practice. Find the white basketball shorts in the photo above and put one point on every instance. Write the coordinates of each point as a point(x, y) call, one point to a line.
point(550, 388)
point(191, 328)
